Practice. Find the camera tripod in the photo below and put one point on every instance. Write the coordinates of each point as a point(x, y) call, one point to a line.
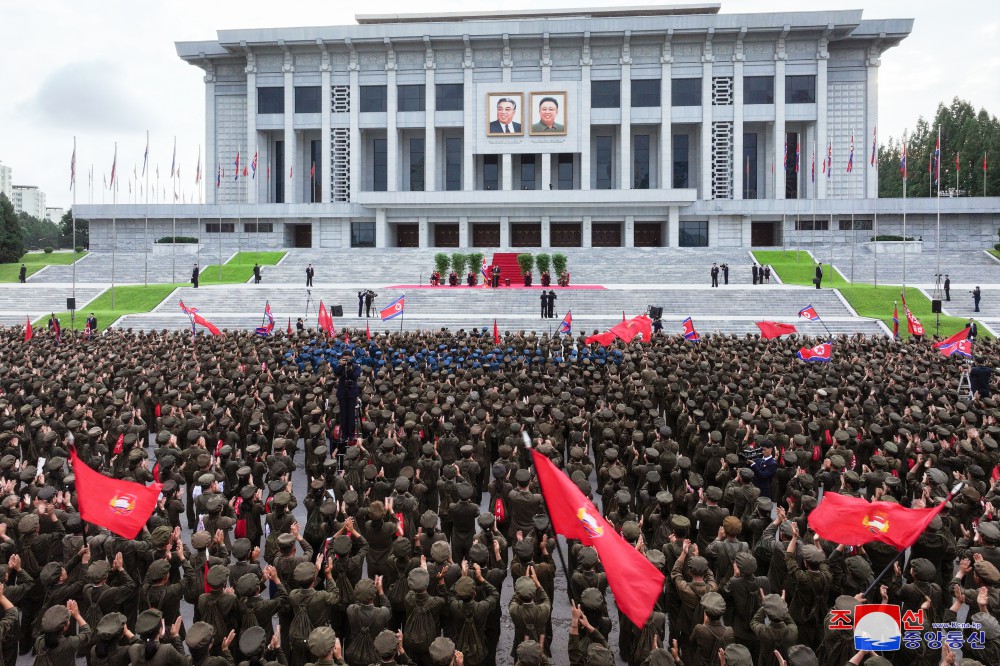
point(309, 296)
point(965, 384)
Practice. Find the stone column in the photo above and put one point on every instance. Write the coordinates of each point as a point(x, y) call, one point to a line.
point(666, 107)
point(706, 121)
point(430, 136)
point(585, 157)
point(586, 229)
point(325, 167)
point(739, 161)
point(423, 233)
point(546, 170)
point(211, 150)
point(822, 58)
point(381, 228)
point(504, 231)
point(391, 133)
point(251, 72)
point(673, 226)
point(871, 118)
point(625, 131)
point(507, 171)
point(469, 105)
point(292, 194)
point(546, 233)
point(630, 231)
point(779, 119)
point(355, 110)
point(463, 237)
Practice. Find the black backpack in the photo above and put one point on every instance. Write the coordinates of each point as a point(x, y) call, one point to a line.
point(470, 637)
point(419, 630)
point(301, 626)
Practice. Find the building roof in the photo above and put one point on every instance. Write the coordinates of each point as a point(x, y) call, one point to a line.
point(573, 12)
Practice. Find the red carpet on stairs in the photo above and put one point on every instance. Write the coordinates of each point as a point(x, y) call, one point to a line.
point(509, 268)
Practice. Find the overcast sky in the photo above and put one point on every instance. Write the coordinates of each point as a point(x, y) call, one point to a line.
point(106, 71)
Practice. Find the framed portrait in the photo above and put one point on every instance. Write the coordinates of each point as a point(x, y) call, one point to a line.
point(504, 114)
point(548, 113)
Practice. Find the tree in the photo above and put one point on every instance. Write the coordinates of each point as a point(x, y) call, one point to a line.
point(38, 232)
point(11, 237)
point(82, 230)
point(965, 133)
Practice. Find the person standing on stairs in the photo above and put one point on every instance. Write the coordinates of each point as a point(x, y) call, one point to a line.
point(715, 275)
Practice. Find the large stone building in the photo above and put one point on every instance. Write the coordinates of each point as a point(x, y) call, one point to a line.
point(29, 199)
point(649, 126)
point(6, 180)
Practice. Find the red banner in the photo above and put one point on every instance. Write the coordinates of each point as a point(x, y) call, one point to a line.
point(121, 506)
point(853, 521)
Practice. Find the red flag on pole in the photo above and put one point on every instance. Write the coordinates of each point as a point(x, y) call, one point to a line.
point(289, 326)
point(853, 521)
point(28, 332)
point(324, 320)
point(774, 329)
point(368, 332)
point(634, 581)
point(961, 335)
point(121, 506)
point(604, 339)
point(496, 333)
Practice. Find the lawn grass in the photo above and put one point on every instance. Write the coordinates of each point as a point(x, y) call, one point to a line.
point(995, 253)
point(36, 261)
point(231, 273)
point(867, 300)
point(128, 300)
point(250, 258)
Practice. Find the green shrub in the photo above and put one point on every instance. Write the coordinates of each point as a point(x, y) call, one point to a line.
point(48, 249)
point(525, 261)
point(558, 262)
point(544, 262)
point(78, 249)
point(177, 239)
point(890, 237)
point(441, 262)
point(476, 261)
point(997, 247)
point(458, 261)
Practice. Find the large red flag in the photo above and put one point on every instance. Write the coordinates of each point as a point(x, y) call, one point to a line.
point(121, 506)
point(634, 581)
point(28, 331)
point(368, 332)
point(198, 319)
point(496, 333)
point(604, 339)
point(854, 521)
point(774, 329)
point(324, 320)
point(627, 330)
point(961, 335)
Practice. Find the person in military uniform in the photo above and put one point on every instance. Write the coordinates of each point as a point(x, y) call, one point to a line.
point(368, 616)
point(108, 649)
point(777, 634)
point(468, 616)
point(258, 650)
point(55, 646)
point(813, 582)
point(530, 609)
point(200, 639)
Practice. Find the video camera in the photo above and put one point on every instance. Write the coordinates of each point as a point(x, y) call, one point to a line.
point(751, 454)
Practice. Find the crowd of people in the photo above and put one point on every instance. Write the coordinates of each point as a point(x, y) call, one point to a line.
point(708, 458)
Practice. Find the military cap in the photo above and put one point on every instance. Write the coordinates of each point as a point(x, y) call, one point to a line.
point(845, 602)
point(55, 618)
point(465, 491)
point(418, 580)
point(592, 599)
point(775, 607)
point(738, 655)
point(282, 498)
point(524, 549)
point(364, 591)
point(524, 588)
point(441, 651)
point(813, 554)
point(631, 531)
point(157, 570)
point(464, 588)
point(110, 625)
point(50, 573)
point(923, 569)
point(160, 536)
point(440, 552)
point(747, 563)
point(200, 540)
point(587, 556)
point(698, 565)
point(656, 558)
point(342, 545)
point(599, 655)
point(938, 476)
point(522, 476)
point(486, 520)
point(148, 622)
point(386, 644)
point(713, 493)
point(321, 641)
point(98, 571)
point(286, 540)
point(529, 653)
point(990, 625)
point(989, 531)
point(664, 498)
point(217, 575)
point(28, 523)
point(713, 603)
point(241, 548)
point(252, 640)
point(680, 522)
point(248, 585)
point(304, 573)
point(986, 572)
point(801, 655)
point(206, 479)
point(858, 567)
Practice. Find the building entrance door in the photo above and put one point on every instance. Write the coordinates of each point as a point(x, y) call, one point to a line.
point(648, 234)
point(407, 235)
point(765, 234)
point(303, 235)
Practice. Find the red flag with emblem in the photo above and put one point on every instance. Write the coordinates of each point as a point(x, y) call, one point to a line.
point(913, 324)
point(121, 506)
point(634, 581)
point(853, 521)
point(774, 329)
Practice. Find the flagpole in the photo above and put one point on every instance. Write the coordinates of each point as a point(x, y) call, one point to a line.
point(937, 242)
point(73, 218)
point(145, 231)
point(906, 171)
point(875, 222)
point(114, 222)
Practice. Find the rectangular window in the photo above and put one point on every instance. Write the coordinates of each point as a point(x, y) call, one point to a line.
point(693, 234)
point(527, 172)
point(758, 90)
point(809, 225)
point(279, 170)
point(604, 152)
point(859, 225)
point(362, 234)
point(258, 227)
point(605, 94)
point(316, 171)
point(685, 92)
point(800, 89)
point(792, 167)
point(565, 168)
point(449, 97)
point(410, 98)
point(307, 99)
point(680, 153)
point(271, 100)
point(749, 166)
point(213, 228)
point(491, 172)
point(380, 165)
point(640, 162)
point(645, 92)
point(373, 99)
point(416, 165)
point(453, 164)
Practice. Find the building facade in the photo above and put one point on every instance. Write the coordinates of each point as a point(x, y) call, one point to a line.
point(29, 199)
point(651, 126)
point(6, 180)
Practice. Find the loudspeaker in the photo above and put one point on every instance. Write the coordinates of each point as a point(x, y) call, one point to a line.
point(936, 306)
point(979, 380)
point(655, 312)
point(71, 304)
point(336, 310)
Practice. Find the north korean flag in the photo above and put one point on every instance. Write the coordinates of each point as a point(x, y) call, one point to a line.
point(960, 348)
point(394, 309)
point(689, 332)
point(809, 313)
point(820, 352)
point(566, 327)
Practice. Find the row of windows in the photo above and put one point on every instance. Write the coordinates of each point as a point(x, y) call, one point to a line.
point(842, 225)
point(603, 95)
point(248, 228)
